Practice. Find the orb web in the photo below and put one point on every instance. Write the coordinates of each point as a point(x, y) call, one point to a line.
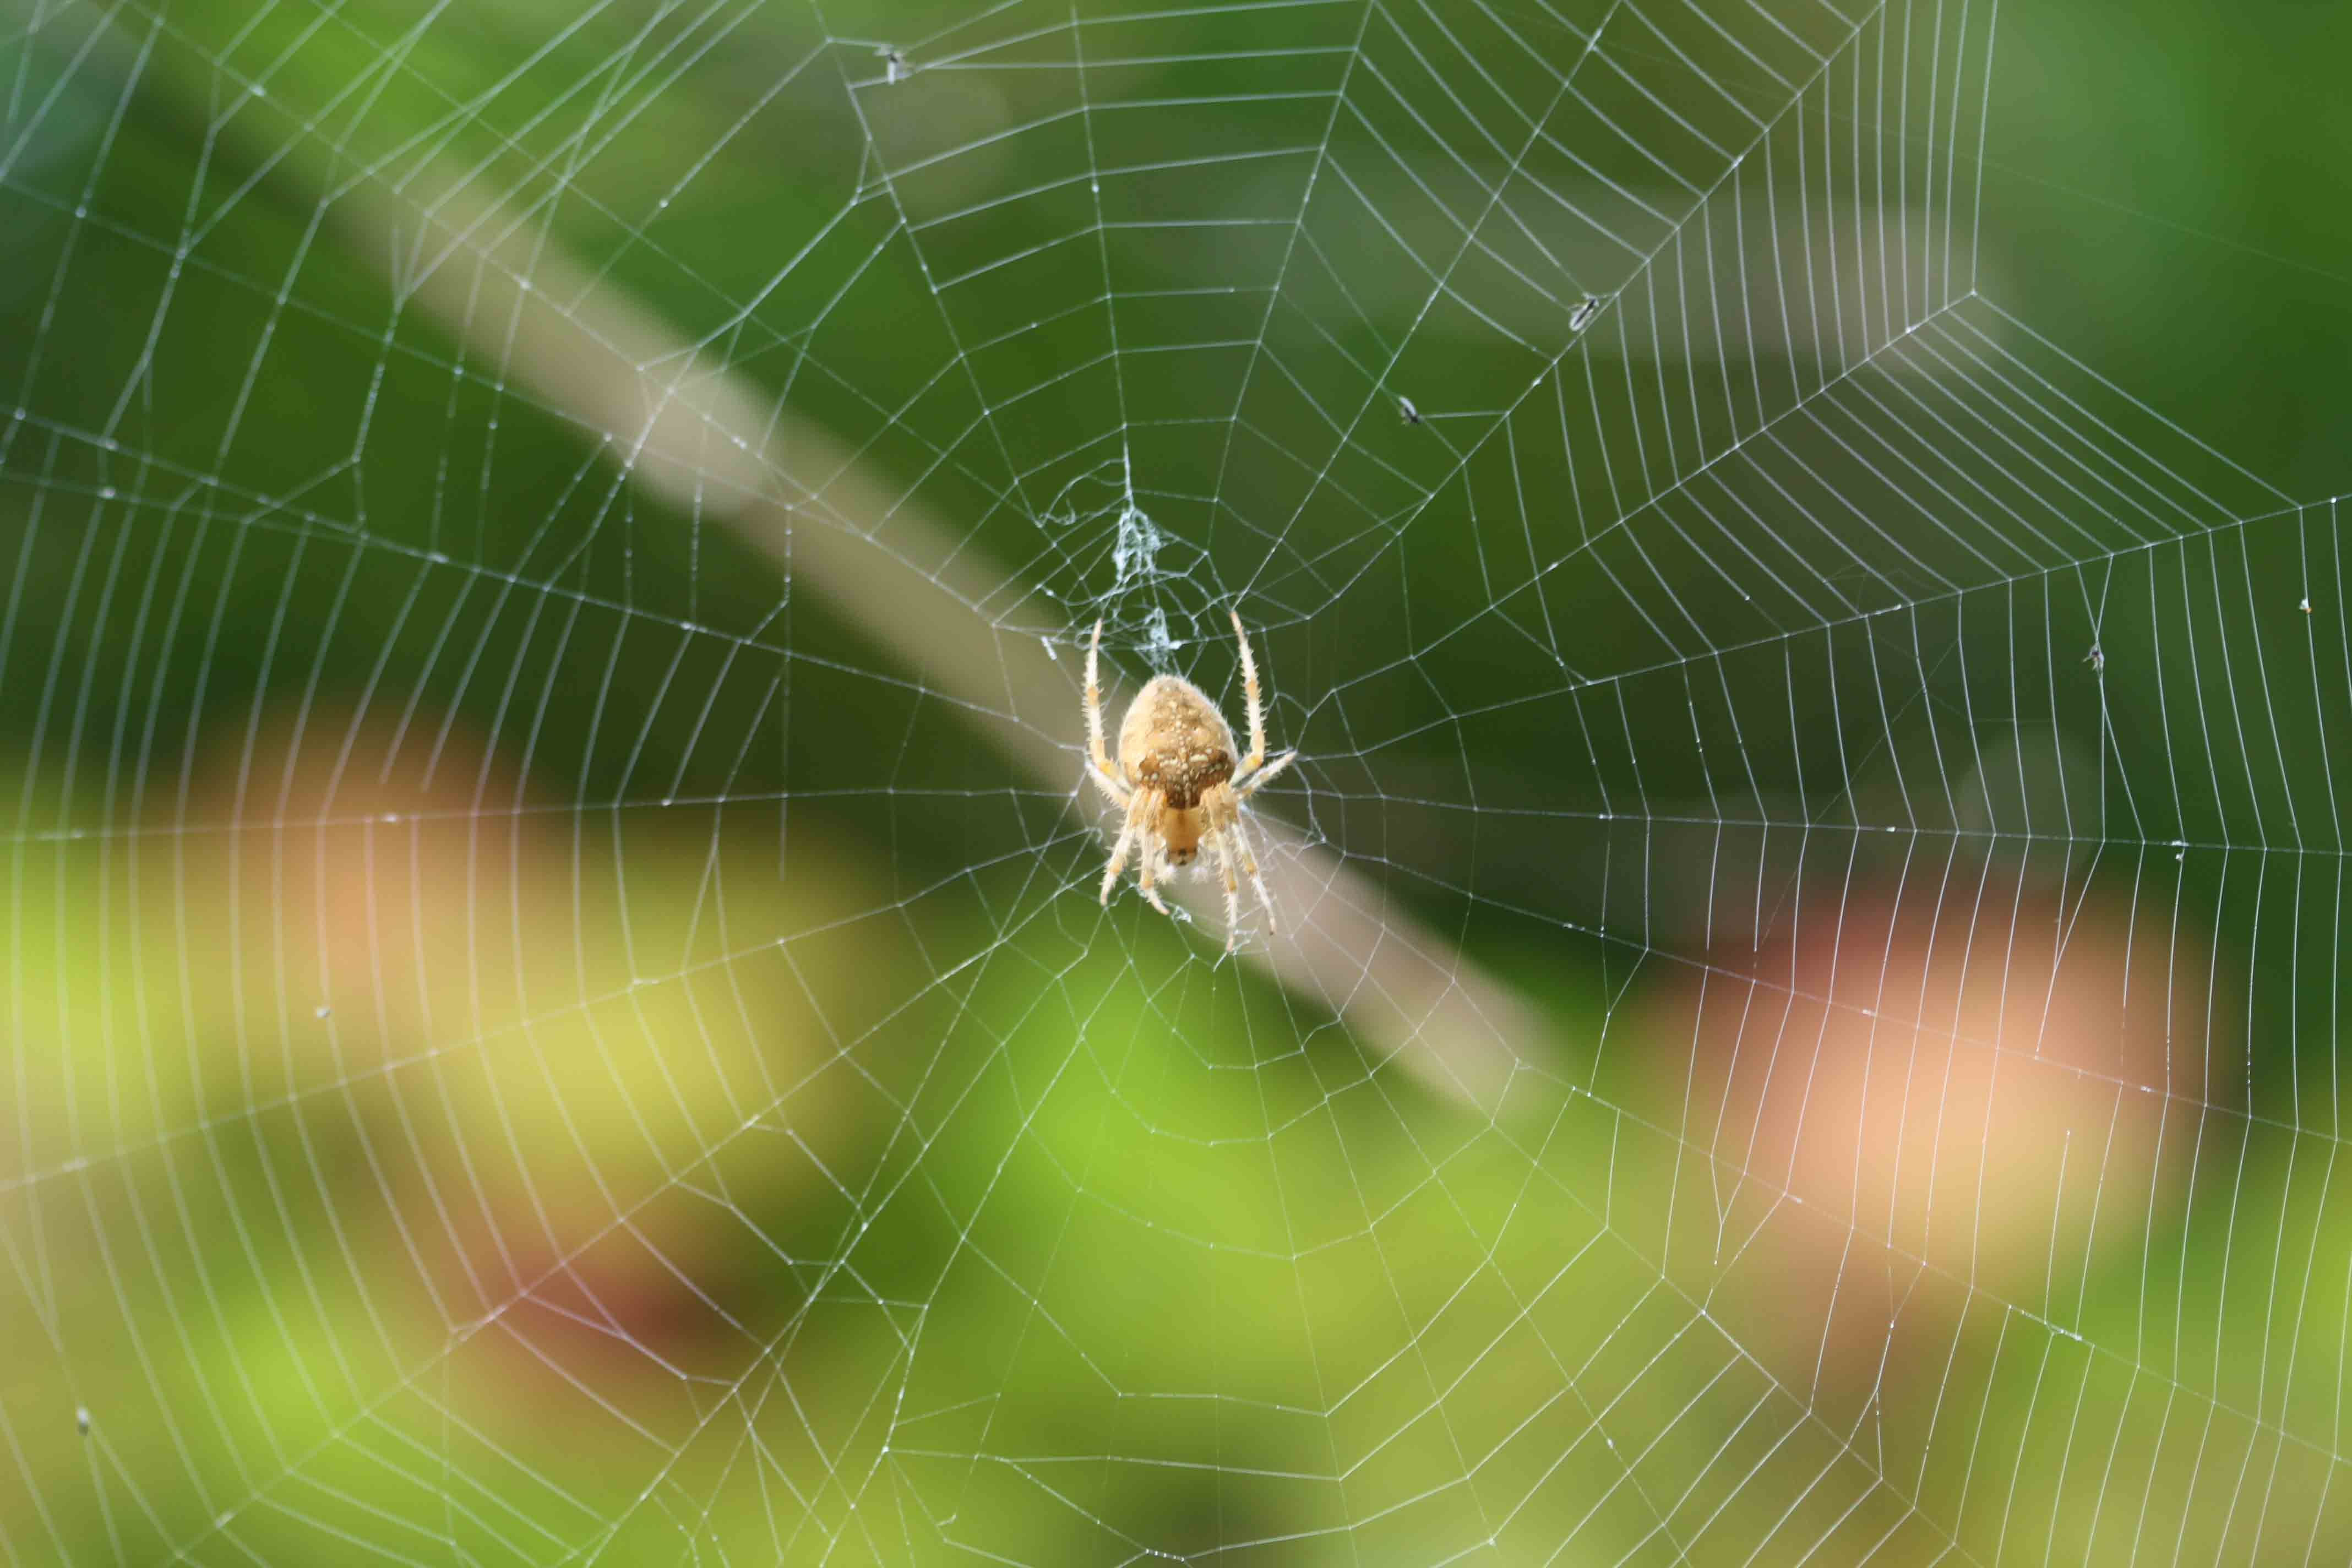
point(556, 1007)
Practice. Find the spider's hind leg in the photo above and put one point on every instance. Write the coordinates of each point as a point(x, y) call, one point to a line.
point(1250, 697)
point(1102, 771)
point(1116, 793)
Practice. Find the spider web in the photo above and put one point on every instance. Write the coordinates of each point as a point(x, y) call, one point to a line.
point(556, 1004)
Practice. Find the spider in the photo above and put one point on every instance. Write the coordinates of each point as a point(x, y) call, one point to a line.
point(1179, 782)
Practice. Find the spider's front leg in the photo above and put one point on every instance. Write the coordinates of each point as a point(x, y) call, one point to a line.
point(1216, 838)
point(1226, 813)
point(1151, 854)
point(1129, 834)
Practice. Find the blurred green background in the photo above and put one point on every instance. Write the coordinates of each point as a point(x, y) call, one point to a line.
point(546, 1020)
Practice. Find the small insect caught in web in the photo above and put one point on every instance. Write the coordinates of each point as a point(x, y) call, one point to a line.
point(2306, 606)
point(1584, 314)
point(1407, 411)
point(895, 68)
point(2097, 660)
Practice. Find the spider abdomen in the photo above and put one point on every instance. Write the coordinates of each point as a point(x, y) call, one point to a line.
point(1174, 740)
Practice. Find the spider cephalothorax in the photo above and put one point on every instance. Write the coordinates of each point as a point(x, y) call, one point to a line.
point(1180, 782)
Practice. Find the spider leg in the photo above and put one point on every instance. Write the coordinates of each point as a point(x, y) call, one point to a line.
point(1130, 835)
point(1250, 782)
point(1239, 833)
point(1150, 894)
point(1118, 862)
point(1102, 773)
point(1250, 696)
point(1216, 838)
point(1117, 793)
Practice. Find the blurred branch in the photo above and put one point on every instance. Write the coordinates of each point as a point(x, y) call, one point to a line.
point(707, 440)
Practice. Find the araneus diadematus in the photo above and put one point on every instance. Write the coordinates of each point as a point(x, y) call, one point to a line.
point(1179, 782)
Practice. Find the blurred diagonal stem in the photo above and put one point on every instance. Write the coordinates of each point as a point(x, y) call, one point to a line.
point(710, 442)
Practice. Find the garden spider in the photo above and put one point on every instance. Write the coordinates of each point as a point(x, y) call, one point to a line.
point(1179, 782)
